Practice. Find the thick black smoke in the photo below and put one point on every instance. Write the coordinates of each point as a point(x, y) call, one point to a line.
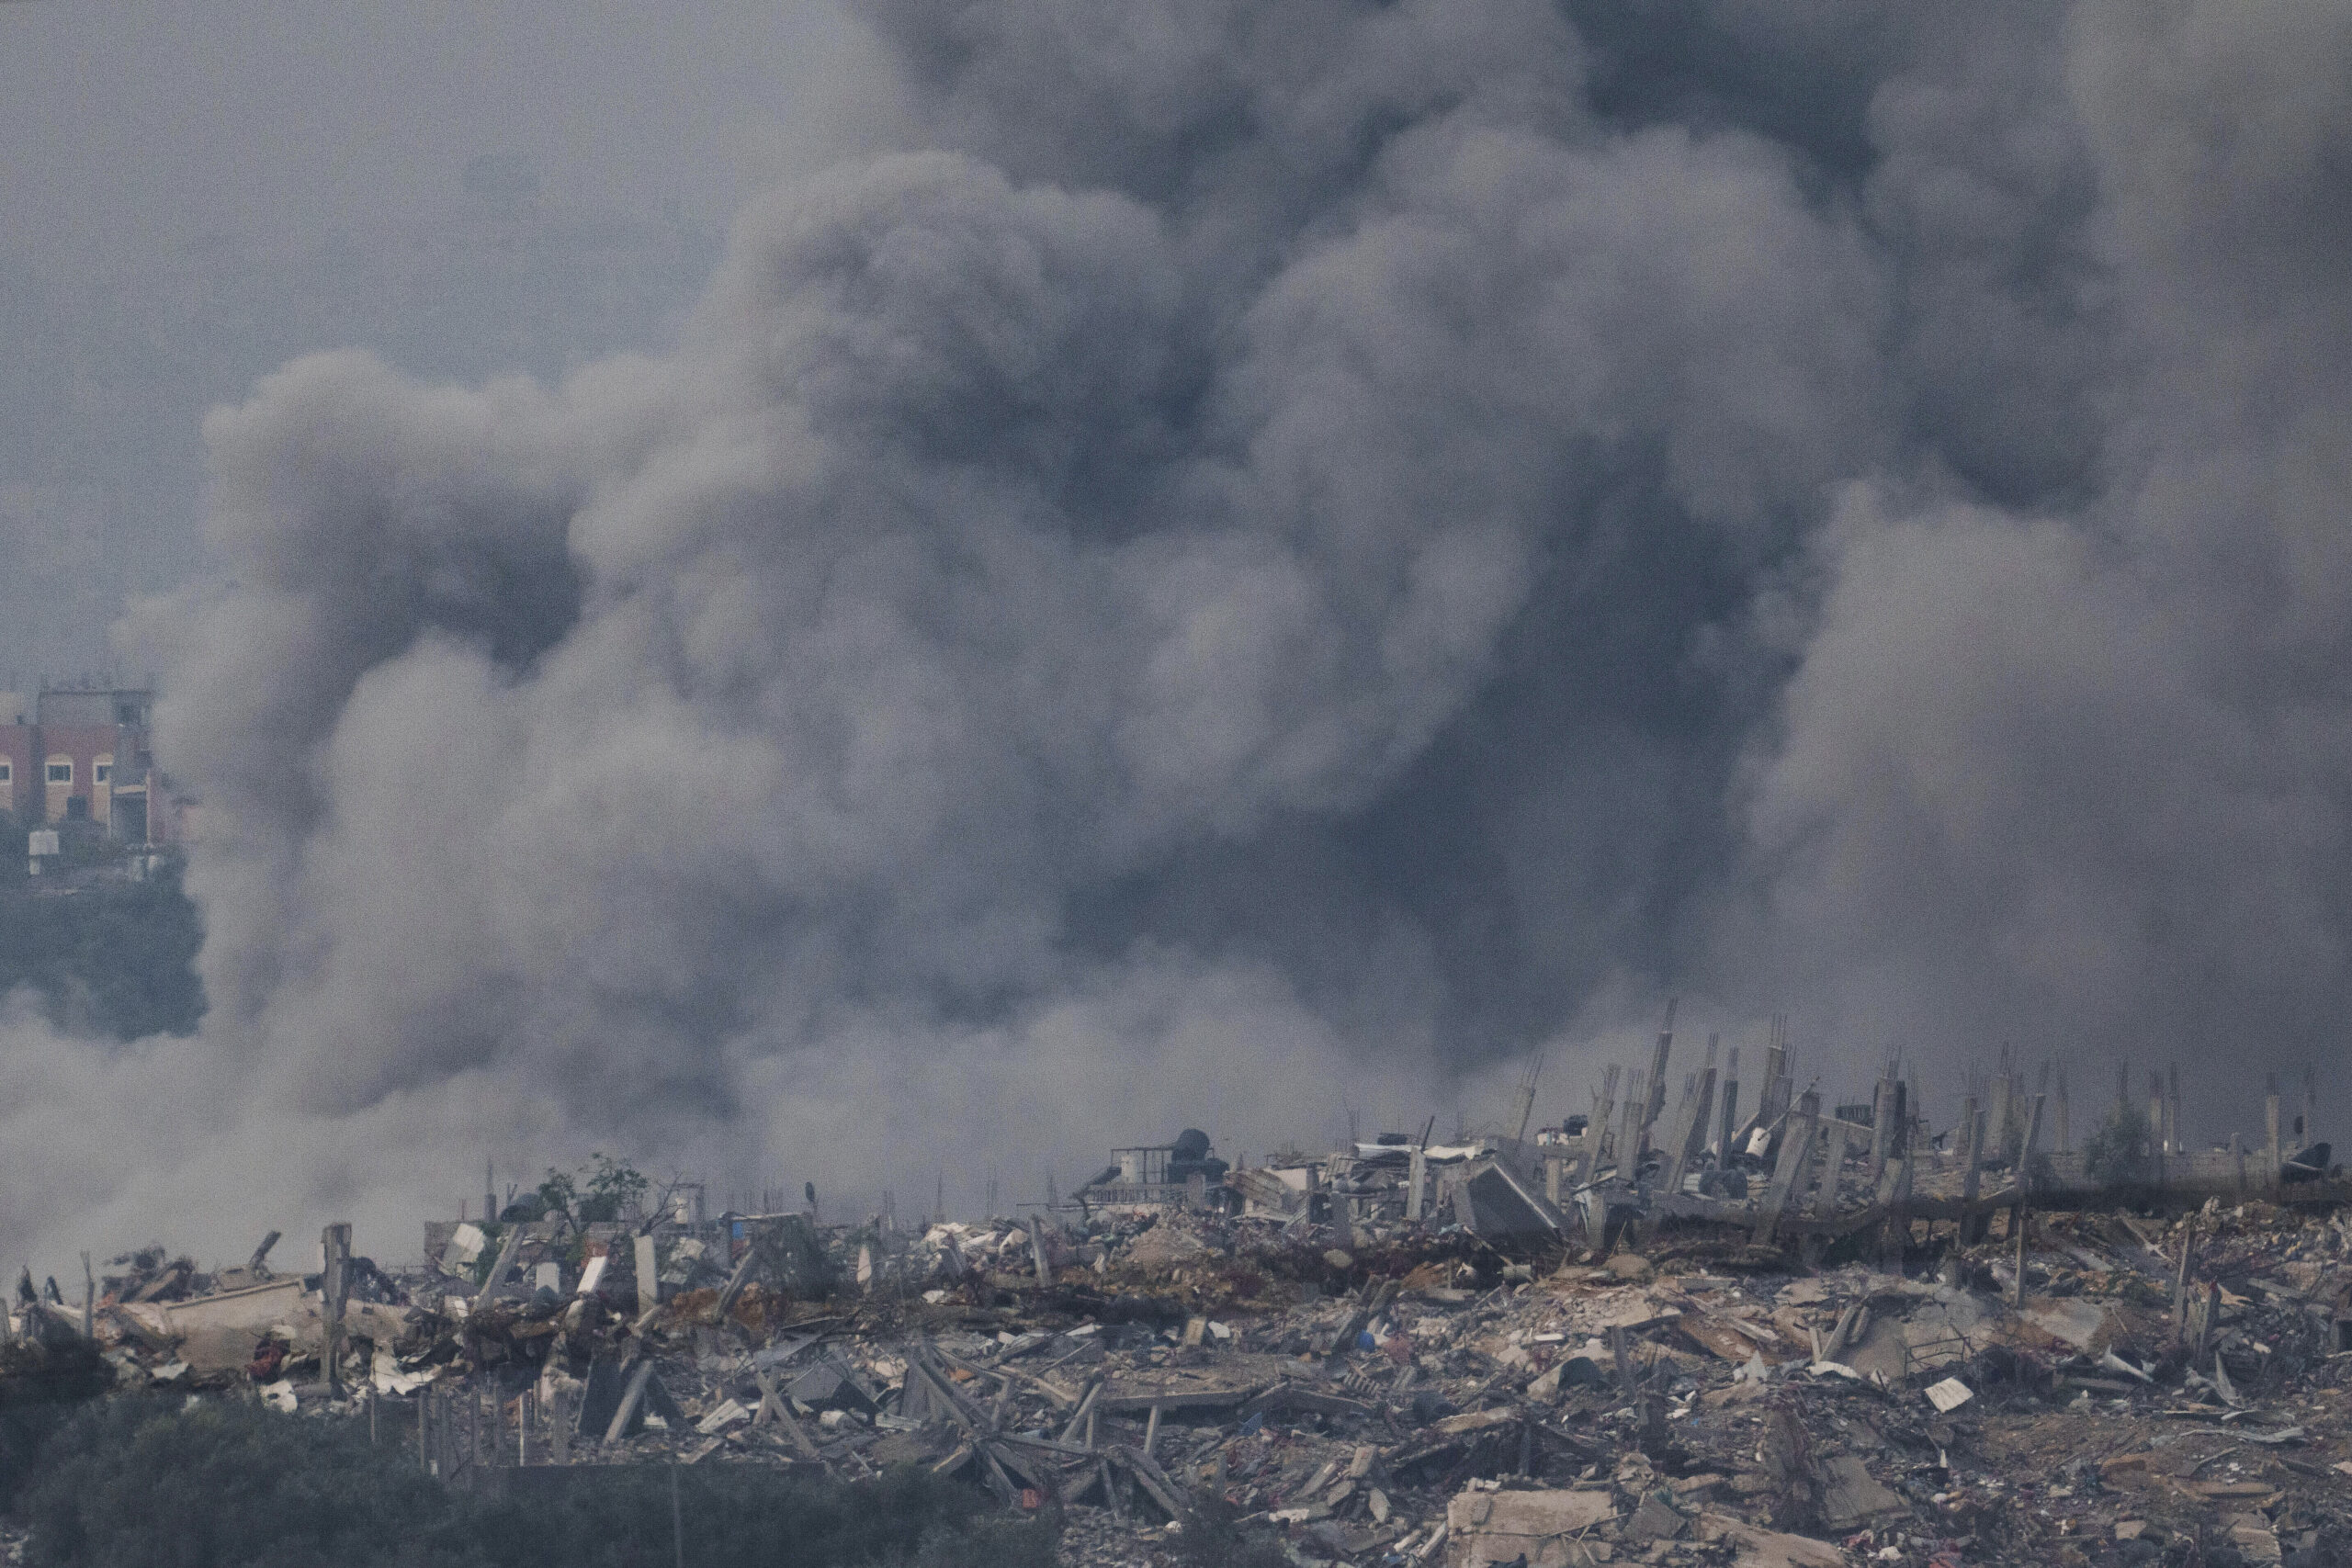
point(1278, 556)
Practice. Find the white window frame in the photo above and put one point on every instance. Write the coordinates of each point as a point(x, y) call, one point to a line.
point(49, 772)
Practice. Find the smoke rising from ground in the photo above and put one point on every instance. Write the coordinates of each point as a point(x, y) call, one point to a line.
point(1274, 558)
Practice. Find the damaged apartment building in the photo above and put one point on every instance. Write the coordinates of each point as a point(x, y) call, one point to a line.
point(80, 759)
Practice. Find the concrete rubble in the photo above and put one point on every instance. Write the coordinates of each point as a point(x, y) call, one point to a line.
point(1400, 1353)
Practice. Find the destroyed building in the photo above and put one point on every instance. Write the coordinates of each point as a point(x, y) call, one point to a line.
point(1885, 1341)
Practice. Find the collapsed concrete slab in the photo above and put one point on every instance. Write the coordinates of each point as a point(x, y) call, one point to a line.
point(1492, 1200)
point(1537, 1529)
point(218, 1332)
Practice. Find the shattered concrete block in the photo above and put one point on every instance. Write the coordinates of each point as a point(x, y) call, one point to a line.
point(1759, 1547)
point(2084, 1323)
point(1851, 1497)
point(1949, 1394)
point(216, 1333)
point(1538, 1528)
point(1167, 1246)
point(2255, 1542)
point(726, 1416)
point(1656, 1519)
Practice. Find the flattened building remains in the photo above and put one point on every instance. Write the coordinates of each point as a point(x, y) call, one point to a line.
point(1703, 1322)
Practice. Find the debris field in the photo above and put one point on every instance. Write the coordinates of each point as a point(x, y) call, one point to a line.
point(1653, 1335)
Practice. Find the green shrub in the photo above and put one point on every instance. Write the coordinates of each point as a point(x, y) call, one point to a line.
point(2116, 1155)
point(116, 958)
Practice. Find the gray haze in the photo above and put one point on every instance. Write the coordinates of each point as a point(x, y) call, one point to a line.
point(1229, 563)
point(196, 193)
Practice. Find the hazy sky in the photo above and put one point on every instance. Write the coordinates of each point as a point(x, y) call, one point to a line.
point(194, 192)
point(143, 126)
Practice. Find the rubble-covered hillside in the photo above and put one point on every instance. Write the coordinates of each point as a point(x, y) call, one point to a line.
point(1404, 1392)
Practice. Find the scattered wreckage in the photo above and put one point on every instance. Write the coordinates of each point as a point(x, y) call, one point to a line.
point(1665, 1335)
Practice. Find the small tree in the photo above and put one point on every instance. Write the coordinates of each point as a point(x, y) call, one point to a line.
point(2116, 1155)
point(611, 1188)
point(558, 1194)
point(600, 1190)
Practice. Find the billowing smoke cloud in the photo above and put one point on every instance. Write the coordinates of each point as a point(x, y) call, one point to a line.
point(1272, 558)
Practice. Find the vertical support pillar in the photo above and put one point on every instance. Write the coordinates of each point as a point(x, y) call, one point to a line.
point(1629, 1131)
point(1896, 1236)
point(648, 1276)
point(1596, 1132)
point(2273, 1156)
point(1881, 1126)
point(1828, 1153)
point(334, 1288)
point(2026, 1150)
point(1772, 1100)
point(1971, 1160)
point(1688, 1129)
point(1037, 1249)
point(1656, 1099)
point(1628, 1383)
point(1729, 1115)
point(2017, 1223)
point(1418, 1179)
point(2180, 1283)
point(1796, 1151)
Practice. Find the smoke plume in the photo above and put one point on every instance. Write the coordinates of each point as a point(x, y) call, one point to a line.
point(1265, 560)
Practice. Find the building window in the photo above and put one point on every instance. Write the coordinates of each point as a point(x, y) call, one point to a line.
point(102, 774)
point(60, 772)
point(8, 771)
